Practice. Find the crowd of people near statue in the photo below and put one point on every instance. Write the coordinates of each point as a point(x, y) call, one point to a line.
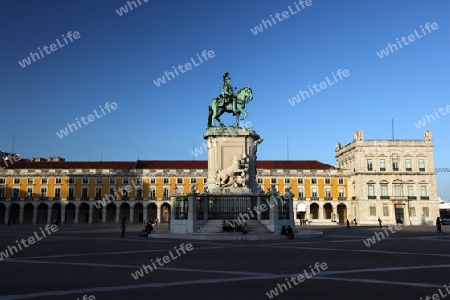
point(287, 230)
point(229, 226)
point(149, 228)
point(305, 221)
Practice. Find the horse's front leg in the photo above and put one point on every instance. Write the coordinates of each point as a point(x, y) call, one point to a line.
point(244, 113)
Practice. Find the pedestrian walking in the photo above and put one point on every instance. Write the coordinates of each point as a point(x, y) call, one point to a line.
point(380, 222)
point(356, 223)
point(348, 224)
point(438, 225)
point(123, 227)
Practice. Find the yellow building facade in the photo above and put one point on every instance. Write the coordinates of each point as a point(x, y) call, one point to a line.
point(40, 191)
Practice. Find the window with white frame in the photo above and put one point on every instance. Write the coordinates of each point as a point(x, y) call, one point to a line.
point(71, 192)
point(408, 165)
point(112, 181)
point(328, 192)
point(423, 191)
point(71, 180)
point(314, 193)
point(313, 180)
point(30, 192)
point(179, 180)
point(426, 211)
point(394, 164)
point(2, 192)
point(273, 180)
point(57, 193)
point(385, 211)
point(369, 165)
point(410, 191)
point(166, 193)
point(260, 180)
point(371, 190)
point(341, 181)
point(58, 180)
point(85, 180)
point(372, 211)
point(16, 192)
point(44, 180)
point(382, 165)
point(152, 194)
point(166, 180)
point(126, 180)
point(301, 193)
point(16, 180)
point(30, 181)
point(384, 190)
point(341, 193)
point(2, 180)
point(421, 164)
point(327, 181)
point(43, 192)
point(300, 180)
point(153, 180)
point(398, 190)
point(193, 180)
point(99, 180)
point(287, 180)
point(98, 193)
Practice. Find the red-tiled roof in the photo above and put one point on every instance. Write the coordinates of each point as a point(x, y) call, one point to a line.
point(172, 164)
point(292, 165)
point(71, 165)
point(162, 164)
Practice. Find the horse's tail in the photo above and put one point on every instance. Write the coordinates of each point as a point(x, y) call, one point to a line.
point(210, 112)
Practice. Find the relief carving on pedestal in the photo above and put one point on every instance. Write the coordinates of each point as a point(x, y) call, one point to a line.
point(235, 175)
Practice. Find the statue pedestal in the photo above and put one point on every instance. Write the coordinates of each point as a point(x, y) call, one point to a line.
point(232, 160)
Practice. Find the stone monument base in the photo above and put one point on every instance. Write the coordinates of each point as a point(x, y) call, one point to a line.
point(232, 160)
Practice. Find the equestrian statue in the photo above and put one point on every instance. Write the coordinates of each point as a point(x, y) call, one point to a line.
point(230, 103)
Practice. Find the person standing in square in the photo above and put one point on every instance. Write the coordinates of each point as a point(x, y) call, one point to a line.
point(438, 225)
point(123, 227)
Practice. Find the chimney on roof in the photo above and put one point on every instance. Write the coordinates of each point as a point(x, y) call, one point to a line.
point(56, 158)
point(38, 159)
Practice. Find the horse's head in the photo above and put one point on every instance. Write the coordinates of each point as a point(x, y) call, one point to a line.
point(245, 94)
point(249, 93)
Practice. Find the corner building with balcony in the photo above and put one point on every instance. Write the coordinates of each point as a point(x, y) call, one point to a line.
point(394, 180)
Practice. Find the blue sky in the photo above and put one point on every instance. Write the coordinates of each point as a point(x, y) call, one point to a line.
point(117, 58)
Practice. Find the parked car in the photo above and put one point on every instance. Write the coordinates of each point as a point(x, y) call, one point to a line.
point(445, 221)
